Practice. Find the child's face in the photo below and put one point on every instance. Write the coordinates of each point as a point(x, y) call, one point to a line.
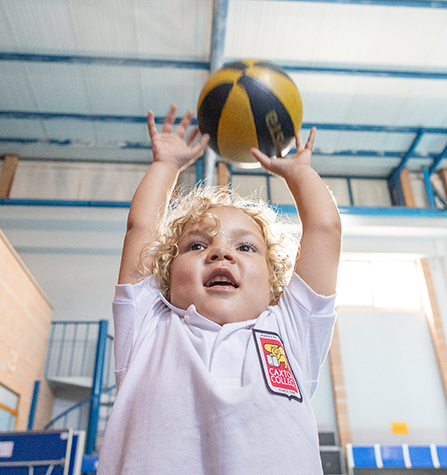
point(224, 275)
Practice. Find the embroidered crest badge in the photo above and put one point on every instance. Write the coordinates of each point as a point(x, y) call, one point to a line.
point(277, 372)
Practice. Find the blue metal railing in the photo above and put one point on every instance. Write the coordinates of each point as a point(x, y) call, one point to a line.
point(77, 417)
point(72, 352)
point(97, 381)
point(81, 353)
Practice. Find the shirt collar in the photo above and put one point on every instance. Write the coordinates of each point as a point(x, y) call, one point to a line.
point(193, 317)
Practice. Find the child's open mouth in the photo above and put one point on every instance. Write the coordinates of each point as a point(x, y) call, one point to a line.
point(221, 278)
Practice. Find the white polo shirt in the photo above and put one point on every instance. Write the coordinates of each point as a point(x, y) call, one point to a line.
point(199, 398)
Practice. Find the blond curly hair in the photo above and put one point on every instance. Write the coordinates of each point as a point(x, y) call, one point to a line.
point(156, 258)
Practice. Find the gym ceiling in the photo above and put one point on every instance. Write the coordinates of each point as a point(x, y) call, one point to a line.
point(78, 76)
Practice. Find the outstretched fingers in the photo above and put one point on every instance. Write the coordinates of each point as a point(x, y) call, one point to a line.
point(192, 136)
point(311, 139)
point(151, 125)
point(283, 166)
point(176, 146)
point(184, 123)
point(195, 149)
point(199, 147)
point(169, 119)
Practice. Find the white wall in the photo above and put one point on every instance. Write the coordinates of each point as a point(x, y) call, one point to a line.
point(391, 375)
point(323, 402)
point(74, 254)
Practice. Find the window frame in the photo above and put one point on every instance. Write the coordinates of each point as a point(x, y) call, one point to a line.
point(13, 412)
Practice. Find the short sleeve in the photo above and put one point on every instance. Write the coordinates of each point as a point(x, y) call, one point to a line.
point(307, 319)
point(132, 305)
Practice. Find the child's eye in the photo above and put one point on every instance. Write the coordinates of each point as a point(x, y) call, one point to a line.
point(246, 247)
point(197, 246)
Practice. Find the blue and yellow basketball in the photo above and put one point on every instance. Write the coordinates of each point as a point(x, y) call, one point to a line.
point(250, 103)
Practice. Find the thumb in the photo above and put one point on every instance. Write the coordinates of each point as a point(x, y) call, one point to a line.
point(262, 158)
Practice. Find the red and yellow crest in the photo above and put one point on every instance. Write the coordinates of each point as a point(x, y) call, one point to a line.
point(278, 374)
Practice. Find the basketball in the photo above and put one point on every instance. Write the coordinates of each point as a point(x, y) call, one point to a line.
point(250, 103)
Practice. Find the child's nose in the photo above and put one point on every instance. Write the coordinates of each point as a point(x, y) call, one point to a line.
point(220, 253)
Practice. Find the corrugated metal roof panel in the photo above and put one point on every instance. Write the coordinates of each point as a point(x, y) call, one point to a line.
point(162, 87)
point(337, 33)
point(32, 129)
point(72, 130)
point(40, 26)
point(372, 100)
point(138, 28)
point(15, 90)
point(58, 87)
point(173, 28)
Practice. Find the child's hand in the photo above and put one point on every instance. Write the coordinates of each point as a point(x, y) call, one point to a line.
point(171, 146)
point(286, 166)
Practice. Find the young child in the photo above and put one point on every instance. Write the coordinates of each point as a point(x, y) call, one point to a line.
point(217, 351)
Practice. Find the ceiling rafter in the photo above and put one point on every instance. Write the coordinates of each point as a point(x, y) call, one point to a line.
point(217, 60)
point(392, 129)
point(389, 3)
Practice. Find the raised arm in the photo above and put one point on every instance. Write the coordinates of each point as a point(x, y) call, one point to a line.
point(172, 153)
point(320, 246)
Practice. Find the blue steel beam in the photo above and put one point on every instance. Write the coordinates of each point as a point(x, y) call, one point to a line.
point(393, 211)
point(63, 203)
point(217, 55)
point(103, 60)
point(440, 198)
point(389, 3)
point(30, 115)
point(392, 129)
point(394, 184)
point(398, 211)
point(427, 172)
point(429, 188)
point(350, 191)
point(217, 59)
point(124, 145)
point(395, 190)
point(437, 160)
point(219, 27)
point(409, 153)
point(364, 71)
